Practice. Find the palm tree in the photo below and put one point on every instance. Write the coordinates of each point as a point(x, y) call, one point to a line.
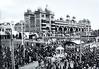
point(1, 55)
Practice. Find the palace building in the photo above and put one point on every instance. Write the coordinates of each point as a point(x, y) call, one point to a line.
point(43, 21)
point(39, 21)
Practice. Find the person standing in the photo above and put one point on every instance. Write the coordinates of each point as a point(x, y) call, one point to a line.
point(71, 64)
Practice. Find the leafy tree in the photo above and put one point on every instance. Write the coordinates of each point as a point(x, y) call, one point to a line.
point(1, 55)
point(95, 33)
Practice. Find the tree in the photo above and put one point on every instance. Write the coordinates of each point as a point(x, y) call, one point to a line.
point(8, 58)
point(95, 33)
point(1, 55)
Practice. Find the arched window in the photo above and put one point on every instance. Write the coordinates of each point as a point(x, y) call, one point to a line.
point(82, 30)
point(47, 28)
point(71, 30)
point(76, 29)
point(56, 29)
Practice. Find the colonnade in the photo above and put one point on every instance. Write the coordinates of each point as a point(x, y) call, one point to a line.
point(63, 29)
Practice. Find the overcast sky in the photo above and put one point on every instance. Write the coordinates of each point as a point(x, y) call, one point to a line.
point(13, 10)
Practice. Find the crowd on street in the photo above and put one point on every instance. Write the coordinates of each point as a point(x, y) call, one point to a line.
point(44, 54)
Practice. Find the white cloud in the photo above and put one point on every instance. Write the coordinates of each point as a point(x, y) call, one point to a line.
point(5, 3)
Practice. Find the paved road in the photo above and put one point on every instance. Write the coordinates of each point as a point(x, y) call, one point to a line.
point(30, 66)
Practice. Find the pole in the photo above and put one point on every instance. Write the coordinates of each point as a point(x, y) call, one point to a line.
point(12, 51)
point(23, 40)
point(80, 48)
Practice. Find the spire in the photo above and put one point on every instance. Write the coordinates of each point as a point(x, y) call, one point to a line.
point(47, 10)
point(46, 6)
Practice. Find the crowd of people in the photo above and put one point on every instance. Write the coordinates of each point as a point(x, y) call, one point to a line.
point(41, 52)
point(69, 62)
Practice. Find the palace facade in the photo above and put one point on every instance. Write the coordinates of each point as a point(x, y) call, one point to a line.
point(43, 21)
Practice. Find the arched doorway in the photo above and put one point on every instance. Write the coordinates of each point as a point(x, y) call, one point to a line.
point(60, 29)
point(65, 29)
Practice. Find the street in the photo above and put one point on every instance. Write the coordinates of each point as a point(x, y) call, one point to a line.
point(32, 65)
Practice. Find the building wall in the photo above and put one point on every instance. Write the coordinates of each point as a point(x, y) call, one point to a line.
point(29, 21)
point(83, 28)
point(39, 20)
point(6, 28)
point(18, 27)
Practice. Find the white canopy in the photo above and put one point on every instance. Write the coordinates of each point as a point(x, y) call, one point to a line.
point(2, 33)
point(77, 41)
point(14, 32)
point(59, 48)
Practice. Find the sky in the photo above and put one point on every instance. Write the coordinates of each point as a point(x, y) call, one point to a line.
point(13, 10)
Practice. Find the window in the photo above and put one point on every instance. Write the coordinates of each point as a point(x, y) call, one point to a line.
point(42, 15)
point(52, 21)
point(43, 24)
point(47, 21)
point(52, 28)
point(58, 51)
point(52, 17)
point(2, 29)
point(53, 25)
point(37, 16)
point(43, 21)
